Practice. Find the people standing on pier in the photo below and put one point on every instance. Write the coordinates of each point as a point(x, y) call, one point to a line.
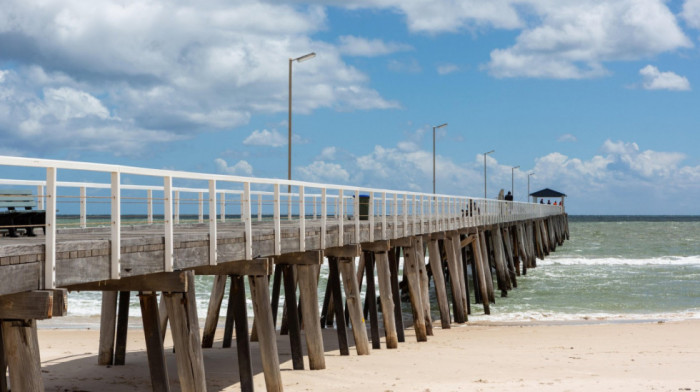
point(509, 196)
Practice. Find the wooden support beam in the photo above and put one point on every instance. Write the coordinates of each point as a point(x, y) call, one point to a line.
point(455, 282)
point(3, 364)
point(290, 299)
point(510, 263)
point(414, 290)
point(308, 291)
point(486, 268)
point(215, 299)
point(162, 318)
point(468, 240)
point(376, 246)
point(312, 257)
point(501, 268)
point(354, 301)
point(108, 319)
point(260, 266)
point(60, 302)
point(481, 267)
point(419, 249)
point(122, 327)
point(334, 281)
point(173, 282)
point(346, 251)
point(259, 290)
point(276, 285)
point(457, 250)
point(245, 367)
point(37, 304)
point(230, 318)
point(154, 342)
point(439, 280)
point(21, 348)
point(401, 242)
point(371, 300)
point(184, 324)
point(393, 256)
point(384, 276)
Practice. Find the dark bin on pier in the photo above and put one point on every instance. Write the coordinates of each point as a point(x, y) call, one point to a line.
point(364, 207)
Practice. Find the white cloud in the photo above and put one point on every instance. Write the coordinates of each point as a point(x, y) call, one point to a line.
point(447, 69)
point(691, 13)
point(359, 46)
point(324, 172)
point(178, 68)
point(266, 138)
point(567, 137)
point(408, 66)
point(657, 80)
point(241, 168)
point(328, 153)
point(573, 38)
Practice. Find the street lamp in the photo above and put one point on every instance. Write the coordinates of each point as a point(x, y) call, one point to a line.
point(512, 189)
point(485, 154)
point(434, 128)
point(289, 120)
point(528, 185)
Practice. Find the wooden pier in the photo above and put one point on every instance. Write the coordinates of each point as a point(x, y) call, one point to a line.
point(358, 231)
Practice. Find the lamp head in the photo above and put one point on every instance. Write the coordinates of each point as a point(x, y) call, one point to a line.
point(305, 57)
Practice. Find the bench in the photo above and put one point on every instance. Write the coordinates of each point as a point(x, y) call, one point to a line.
point(15, 218)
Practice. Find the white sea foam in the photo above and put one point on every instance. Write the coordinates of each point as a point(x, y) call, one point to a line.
point(665, 260)
point(533, 316)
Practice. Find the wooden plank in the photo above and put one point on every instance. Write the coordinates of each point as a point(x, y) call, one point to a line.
point(215, 299)
point(290, 299)
point(105, 355)
point(22, 355)
point(122, 327)
point(439, 280)
point(154, 342)
point(467, 241)
point(334, 281)
point(174, 282)
point(308, 292)
point(184, 325)
point(344, 252)
point(257, 267)
point(266, 333)
point(304, 258)
point(354, 301)
point(19, 278)
point(36, 304)
point(245, 367)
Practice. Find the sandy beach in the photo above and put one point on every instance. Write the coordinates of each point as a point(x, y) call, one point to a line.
point(652, 356)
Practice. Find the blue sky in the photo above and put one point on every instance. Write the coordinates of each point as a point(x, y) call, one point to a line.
point(598, 98)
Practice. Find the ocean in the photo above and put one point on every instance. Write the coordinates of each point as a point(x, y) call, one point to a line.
point(613, 268)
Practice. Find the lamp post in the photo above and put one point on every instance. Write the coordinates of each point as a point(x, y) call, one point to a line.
point(434, 128)
point(485, 154)
point(528, 185)
point(512, 182)
point(305, 57)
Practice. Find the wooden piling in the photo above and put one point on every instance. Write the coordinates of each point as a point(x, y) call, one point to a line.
point(499, 263)
point(290, 299)
point(337, 296)
point(267, 339)
point(184, 325)
point(371, 300)
point(230, 319)
point(217, 296)
point(414, 290)
point(162, 318)
point(481, 267)
point(108, 319)
point(393, 256)
point(385, 295)
point(438, 278)
point(419, 249)
point(122, 327)
point(21, 348)
point(237, 297)
point(154, 341)
point(3, 364)
point(457, 249)
point(486, 267)
point(352, 297)
point(308, 291)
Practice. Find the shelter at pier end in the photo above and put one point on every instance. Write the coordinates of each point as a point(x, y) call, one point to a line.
point(547, 193)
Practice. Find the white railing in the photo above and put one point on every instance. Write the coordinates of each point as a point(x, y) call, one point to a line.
point(257, 199)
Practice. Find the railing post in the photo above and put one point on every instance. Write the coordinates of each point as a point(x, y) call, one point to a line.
point(340, 218)
point(114, 270)
point(356, 215)
point(83, 207)
point(200, 216)
point(276, 219)
point(405, 215)
point(422, 214)
point(222, 206)
point(248, 221)
point(314, 207)
point(289, 206)
point(177, 207)
point(324, 212)
point(384, 216)
point(259, 207)
point(371, 217)
point(414, 215)
point(396, 216)
point(40, 196)
point(50, 244)
point(302, 220)
point(212, 223)
point(149, 212)
point(168, 260)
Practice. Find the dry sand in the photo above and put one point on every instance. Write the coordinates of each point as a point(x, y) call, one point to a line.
point(620, 357)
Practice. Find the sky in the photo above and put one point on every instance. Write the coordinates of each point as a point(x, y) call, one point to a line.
point(599, 99)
